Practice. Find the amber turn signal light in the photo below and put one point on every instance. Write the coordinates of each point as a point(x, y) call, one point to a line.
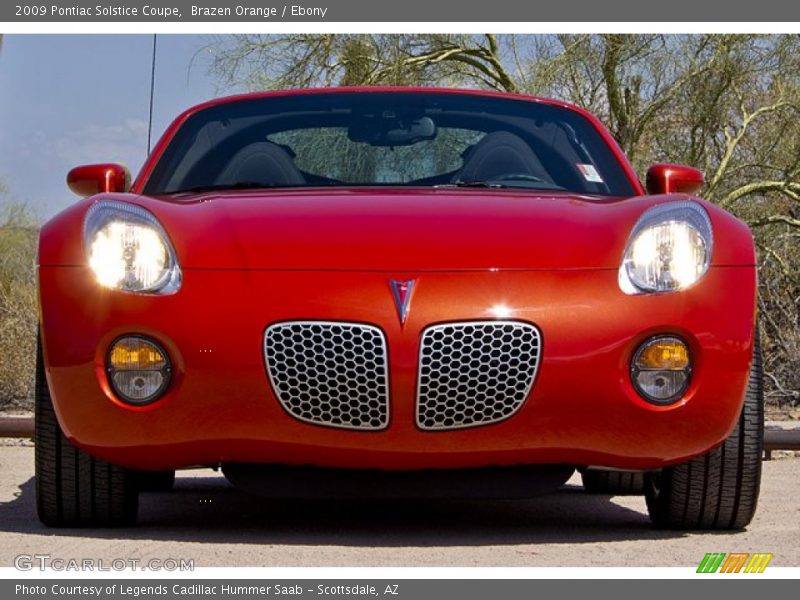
point(664, 353)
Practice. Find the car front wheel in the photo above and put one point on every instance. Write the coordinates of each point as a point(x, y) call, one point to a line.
point(719, 489)
point(73, 488)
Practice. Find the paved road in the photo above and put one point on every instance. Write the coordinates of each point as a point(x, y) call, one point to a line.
point(206, 520)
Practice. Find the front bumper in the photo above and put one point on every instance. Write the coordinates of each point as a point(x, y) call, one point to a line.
point(220, 407)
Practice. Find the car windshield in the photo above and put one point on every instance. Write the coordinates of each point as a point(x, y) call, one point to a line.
point(346, 139)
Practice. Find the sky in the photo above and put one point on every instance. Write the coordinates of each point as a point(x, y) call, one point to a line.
point(67, 100)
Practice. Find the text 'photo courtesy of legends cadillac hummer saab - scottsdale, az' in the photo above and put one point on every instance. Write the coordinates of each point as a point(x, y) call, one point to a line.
point(402, 292)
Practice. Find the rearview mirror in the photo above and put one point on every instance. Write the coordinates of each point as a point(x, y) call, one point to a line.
point(673, 179)
point(391, 130)
point(89, 180)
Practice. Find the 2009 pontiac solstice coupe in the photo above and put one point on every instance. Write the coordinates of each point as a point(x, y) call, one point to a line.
point(396, 292)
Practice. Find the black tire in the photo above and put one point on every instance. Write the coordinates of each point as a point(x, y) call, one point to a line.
point(614, 483)
point(718, 490)
point(74, 489)
point(155, 481)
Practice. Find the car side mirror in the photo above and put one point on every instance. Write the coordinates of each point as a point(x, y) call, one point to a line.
point(673, 179)
point(88, 180)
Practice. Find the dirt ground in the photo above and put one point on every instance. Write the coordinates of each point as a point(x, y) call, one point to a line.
point(206, 520)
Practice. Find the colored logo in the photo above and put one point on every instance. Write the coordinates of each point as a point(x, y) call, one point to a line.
point(401, 291)
point(735, 562)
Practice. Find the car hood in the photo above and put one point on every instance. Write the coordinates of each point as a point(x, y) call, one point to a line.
point(389, 229)
point(400, 230)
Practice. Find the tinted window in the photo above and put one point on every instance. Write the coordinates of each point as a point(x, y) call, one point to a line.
point(380, 138)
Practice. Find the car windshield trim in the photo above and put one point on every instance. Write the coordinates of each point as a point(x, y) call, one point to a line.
point(241, 185)
point(385, 139)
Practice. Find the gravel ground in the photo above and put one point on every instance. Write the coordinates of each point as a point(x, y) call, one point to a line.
point(206, 520)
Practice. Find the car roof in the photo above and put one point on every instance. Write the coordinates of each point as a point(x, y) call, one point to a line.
point(379, 89)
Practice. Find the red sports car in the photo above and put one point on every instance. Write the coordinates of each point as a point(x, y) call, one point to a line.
point(396, 292)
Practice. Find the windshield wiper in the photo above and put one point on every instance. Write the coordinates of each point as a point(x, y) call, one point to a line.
point(510, 181)
point(475, 184)
point(239, 185)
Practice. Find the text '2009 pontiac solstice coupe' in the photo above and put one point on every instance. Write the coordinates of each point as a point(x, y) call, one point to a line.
point(396, 292)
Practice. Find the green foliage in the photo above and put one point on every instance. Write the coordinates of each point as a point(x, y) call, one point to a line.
point(18, 315)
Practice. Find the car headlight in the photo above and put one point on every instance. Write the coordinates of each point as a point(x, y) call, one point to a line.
point(669, 249)
point(128, 249)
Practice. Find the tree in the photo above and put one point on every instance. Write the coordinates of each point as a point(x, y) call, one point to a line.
point(729, 104)
point(726, 103)
point(307, 60)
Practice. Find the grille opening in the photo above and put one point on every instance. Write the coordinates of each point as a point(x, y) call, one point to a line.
point(330, 373)
point(475, 373)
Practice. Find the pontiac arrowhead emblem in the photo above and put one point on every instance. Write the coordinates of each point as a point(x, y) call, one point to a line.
point(401, 291)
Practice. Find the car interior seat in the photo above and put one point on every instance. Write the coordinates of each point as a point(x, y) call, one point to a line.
point(262, 162)
point(500, 153)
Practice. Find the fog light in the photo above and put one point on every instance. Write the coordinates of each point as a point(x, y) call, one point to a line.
point(138, 369)
point(660, 369)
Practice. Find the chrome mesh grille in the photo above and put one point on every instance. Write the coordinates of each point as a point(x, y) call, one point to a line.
point(475, 373)
point(333, 374)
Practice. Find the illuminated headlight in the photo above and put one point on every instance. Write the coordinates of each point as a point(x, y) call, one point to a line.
point(128, 250)
point(669, 249)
